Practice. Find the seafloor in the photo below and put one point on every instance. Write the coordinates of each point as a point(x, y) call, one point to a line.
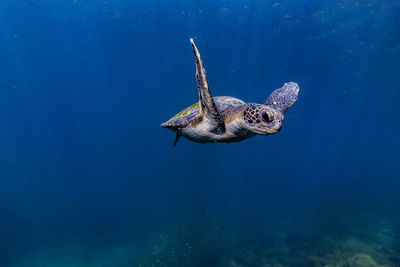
point(299, 244)
point(212, 240)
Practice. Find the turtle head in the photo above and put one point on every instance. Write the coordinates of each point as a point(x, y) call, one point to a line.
point(262, 119)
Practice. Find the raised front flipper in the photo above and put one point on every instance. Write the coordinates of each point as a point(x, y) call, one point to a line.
point(208, 108)
point(283, 98)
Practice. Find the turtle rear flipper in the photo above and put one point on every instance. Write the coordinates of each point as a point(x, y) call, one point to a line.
point(175, 123)
point(207, 106)
point(283, 98)
point(177, 139)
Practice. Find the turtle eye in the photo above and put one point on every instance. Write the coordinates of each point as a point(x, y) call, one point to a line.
point(267, 116)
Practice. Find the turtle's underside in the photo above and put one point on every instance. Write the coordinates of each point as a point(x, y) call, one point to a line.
point(228, 119)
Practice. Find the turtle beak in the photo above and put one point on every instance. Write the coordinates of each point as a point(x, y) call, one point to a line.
point(276, 129)
point(267, 129)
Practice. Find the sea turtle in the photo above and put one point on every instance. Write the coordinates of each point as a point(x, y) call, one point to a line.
point(228, 119)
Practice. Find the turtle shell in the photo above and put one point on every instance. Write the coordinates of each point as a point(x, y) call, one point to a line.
point(192, 113)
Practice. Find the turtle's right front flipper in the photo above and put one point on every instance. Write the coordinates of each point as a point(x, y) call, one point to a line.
point(283, 98)
point(208, 108)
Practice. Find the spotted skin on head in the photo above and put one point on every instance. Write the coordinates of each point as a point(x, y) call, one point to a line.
point(251, 114)
point(255, 114)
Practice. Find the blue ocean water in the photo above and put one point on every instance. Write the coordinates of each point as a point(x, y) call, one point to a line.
point(89, 178)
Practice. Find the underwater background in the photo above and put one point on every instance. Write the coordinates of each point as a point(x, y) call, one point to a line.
point(89, 178)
